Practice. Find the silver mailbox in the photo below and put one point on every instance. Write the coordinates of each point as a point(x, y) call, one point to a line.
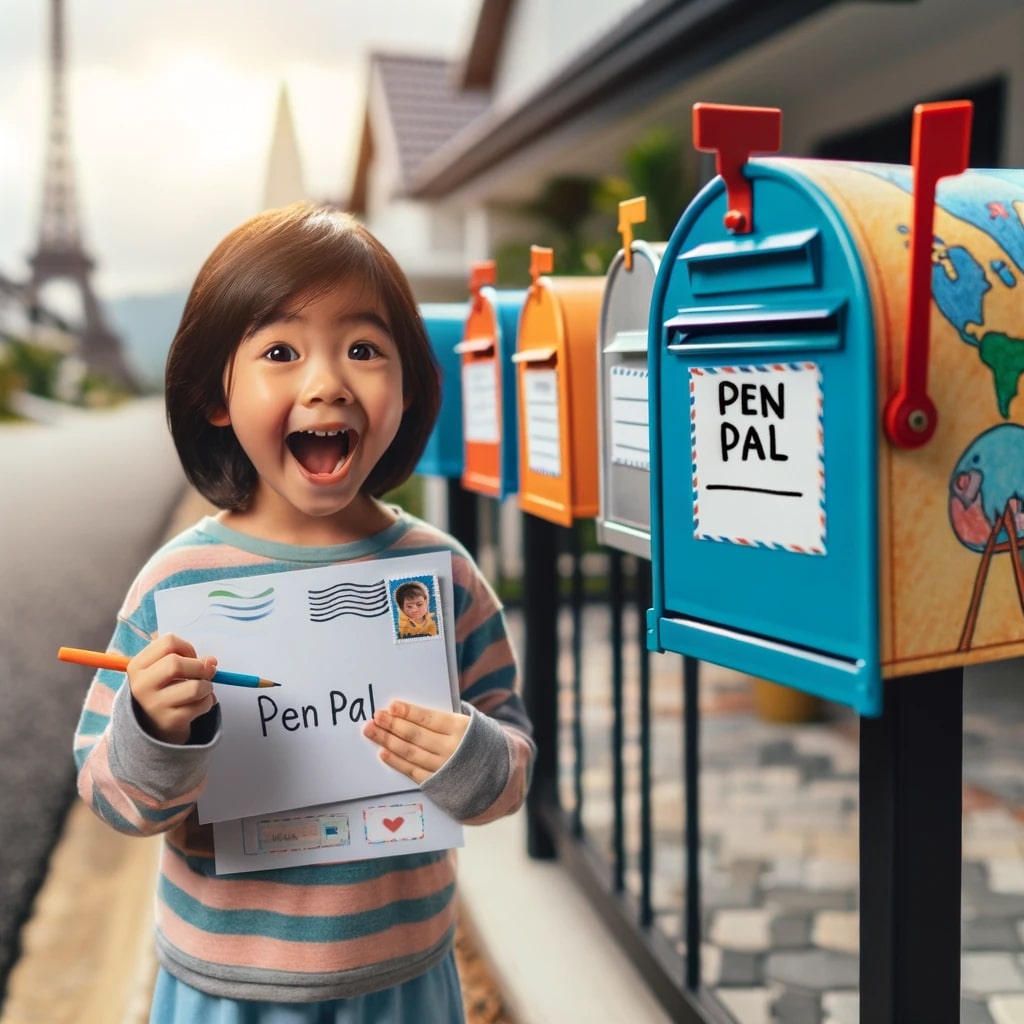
point(624, 518)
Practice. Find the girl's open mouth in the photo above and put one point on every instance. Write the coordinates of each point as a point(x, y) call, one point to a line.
point(321, 452)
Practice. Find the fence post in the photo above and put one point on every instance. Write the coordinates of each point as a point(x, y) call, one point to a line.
point(462, 517)
point(540, 673)
point(911, 794)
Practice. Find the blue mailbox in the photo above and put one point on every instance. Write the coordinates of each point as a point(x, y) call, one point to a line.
point(835, 434)
point(445, 322)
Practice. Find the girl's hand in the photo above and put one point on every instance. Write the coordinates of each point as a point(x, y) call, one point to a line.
point(172, 687)
point(416, 740)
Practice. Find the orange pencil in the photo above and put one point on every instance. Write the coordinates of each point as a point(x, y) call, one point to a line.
point(119, 663)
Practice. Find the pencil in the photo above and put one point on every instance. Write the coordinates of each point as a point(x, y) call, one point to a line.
point(119, 663)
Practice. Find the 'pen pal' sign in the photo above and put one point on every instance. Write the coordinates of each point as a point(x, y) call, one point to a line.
point(758, 455)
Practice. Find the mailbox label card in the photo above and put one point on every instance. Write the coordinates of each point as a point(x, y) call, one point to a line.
point(631, 442)
point(543, 443)
point(758, 449)
point(480, 402)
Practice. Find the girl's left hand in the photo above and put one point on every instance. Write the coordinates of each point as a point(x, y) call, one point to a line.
point(416, 740)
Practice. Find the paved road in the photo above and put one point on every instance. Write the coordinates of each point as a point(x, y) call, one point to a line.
point(83, 501)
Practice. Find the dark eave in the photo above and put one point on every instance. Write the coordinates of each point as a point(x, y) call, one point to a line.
point(364, 156)
point(654, 49)
point(477, 68)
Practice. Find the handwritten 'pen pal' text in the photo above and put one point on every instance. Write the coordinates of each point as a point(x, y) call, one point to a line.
point(746, 402)
point(307, 716)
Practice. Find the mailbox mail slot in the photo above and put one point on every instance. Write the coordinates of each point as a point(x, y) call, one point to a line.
point(488, 384)
point(624, 517)
point(556, 363)
point(796, 533)
point(443, 454)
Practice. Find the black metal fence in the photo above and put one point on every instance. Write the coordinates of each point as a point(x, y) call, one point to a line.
point(611, 851)
point(589, 684)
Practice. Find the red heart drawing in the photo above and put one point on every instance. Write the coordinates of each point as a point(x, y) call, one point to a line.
point(393, 824)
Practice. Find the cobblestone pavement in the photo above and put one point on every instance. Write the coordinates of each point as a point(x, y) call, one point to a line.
point(779, 807)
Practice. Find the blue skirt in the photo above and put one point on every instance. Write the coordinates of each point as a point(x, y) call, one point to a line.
point(435, 997)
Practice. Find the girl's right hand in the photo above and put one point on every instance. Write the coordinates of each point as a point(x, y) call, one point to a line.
point(171, 687)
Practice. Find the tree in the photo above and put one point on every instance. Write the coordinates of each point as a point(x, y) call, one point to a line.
point(577, 215)
point(655, 168)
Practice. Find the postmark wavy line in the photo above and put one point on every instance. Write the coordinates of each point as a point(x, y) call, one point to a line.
point(241, 607)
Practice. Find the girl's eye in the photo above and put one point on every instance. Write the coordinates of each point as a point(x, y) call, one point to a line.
point(281, 354)
point(363, 350)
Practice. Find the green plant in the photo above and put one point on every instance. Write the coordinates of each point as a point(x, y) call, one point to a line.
point(577, 215)
point(574, 216)
point(409, 496)
point(34, 366)
point(655, 168)
point(10, 382)
point(100, 391)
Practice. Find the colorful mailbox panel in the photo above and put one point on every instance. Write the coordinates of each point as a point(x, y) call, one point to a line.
point(556, 361)
point(791, 539)
point(624, 518)
point(443, 454)
point(488, 386)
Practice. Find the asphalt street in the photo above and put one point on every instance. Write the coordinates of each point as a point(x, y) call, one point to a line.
point(84, 499)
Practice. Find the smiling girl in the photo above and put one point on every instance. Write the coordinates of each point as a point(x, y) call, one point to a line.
point(300, 387)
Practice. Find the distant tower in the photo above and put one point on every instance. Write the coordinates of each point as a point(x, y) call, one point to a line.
point(284, 182)
point(60, 254)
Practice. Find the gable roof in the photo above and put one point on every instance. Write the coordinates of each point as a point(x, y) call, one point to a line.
point(426, 107)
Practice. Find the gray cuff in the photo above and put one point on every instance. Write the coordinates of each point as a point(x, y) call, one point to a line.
point(164, 771)
point(475, 775)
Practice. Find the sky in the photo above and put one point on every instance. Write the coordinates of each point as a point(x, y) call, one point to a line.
point(172, 108)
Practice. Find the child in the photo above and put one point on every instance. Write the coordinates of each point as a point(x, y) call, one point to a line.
point(300, 387)
point(414, 616)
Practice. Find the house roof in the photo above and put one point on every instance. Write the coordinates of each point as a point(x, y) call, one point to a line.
point(655, 48)
point(426, 107)
point(284, 182)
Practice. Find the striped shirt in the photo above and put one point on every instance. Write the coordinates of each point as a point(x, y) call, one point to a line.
point(315, 932)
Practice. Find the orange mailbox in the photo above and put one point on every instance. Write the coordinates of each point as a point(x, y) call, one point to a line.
point(556, 381)
point(491, 462)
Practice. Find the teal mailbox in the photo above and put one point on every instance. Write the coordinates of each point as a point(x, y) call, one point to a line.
point(443, 455)
point(836, 439)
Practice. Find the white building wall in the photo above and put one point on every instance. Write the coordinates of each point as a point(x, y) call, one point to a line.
point(963, 58)
point(543, 35)
point(854, 64)
point(427, 242)
point(384, 172)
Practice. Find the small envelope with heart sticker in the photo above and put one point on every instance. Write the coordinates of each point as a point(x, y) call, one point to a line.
point(389, 823)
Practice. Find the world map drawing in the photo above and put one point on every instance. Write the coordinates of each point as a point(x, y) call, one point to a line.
point(989, 200)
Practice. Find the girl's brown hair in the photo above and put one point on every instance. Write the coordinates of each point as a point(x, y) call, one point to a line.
point(252, 275)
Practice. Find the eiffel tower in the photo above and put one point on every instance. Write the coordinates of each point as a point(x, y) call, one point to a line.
point(59, 254)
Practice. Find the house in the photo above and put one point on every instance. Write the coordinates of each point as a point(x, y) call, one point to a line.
point(450, 151)
point(573, 83)
point(414, 106)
